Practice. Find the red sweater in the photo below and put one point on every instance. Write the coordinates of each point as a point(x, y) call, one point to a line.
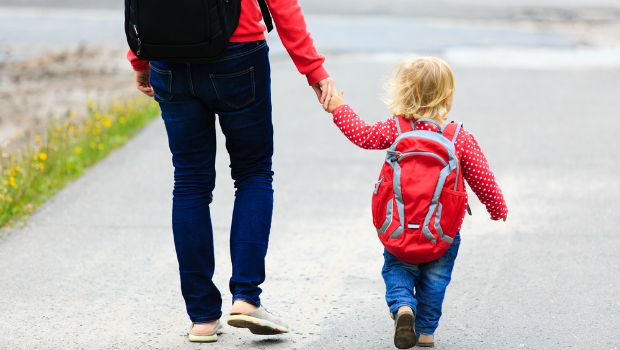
point(476, 170)
point(291, 25)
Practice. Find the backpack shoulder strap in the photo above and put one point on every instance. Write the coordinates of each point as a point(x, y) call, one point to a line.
point(452, 130)
point(403, 125)
point(264, 9)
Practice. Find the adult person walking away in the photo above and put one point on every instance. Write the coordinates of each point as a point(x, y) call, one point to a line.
point(235, 87)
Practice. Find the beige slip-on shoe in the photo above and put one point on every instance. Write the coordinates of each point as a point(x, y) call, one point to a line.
point(259, 321)
point(404, 330)
point(205, 337)
point(426, 340)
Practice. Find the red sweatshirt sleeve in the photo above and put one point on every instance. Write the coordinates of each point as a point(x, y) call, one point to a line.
point(293, 32)
point(381, 135)
point(479, 176)
point(136, 63)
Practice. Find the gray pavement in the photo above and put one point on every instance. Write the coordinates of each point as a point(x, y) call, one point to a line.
point(95, 267)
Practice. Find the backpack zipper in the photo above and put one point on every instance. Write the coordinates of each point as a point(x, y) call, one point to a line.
point(400, 156)
point(378, 184)
point(135, 29)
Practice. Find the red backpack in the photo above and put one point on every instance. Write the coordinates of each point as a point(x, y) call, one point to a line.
point(419, 201)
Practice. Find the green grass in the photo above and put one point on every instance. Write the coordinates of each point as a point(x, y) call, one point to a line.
point(32, 174)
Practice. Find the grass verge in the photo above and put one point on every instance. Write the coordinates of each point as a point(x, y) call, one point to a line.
point(32, 174)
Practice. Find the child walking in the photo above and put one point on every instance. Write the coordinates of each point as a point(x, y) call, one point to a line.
point(427, 245)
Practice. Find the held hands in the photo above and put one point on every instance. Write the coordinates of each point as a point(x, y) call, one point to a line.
point(143, 84)
point(336, 101)
point(325, 90)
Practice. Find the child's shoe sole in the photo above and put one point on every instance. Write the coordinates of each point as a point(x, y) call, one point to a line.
point(426, 341)
point(404, 333)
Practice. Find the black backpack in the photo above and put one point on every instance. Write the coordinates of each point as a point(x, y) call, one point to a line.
point(183, 30)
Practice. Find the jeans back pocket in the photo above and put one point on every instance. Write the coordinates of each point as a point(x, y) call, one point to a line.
point(235, 90)
point(161, 81)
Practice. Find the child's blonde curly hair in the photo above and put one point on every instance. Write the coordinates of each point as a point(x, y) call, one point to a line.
point(422, 88)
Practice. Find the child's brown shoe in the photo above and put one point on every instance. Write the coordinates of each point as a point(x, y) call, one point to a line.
point(404, 330)
point(426, 341)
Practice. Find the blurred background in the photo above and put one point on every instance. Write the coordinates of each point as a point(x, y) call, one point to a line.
point(537, 83)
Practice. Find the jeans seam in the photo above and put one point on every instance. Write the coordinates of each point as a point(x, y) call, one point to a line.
point(245, 53)
point(189, 80)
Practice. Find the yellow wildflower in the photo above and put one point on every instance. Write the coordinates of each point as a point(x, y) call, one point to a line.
point(37, 138)
point(100, 146)
point(107, 123)
point(77, 150)
point(90, 104)
point(43, 156)
point(12, 182)
point(42, 166)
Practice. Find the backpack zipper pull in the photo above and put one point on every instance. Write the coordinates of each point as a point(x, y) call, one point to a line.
point(135, 29)
point(394, 156)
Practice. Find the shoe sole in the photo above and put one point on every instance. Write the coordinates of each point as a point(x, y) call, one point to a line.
point(256, 325)
point(404, 334)
point(194, 338)
point(426, 345)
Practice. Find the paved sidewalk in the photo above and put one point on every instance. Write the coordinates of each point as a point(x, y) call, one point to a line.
point(95, 267)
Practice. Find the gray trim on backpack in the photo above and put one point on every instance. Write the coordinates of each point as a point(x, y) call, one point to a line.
point(458, 168)
point(426, 120)
point(431, 135)
point(404, 155)
point(456, 133)
point(450, 166)
point(438, 226)
point(398, 195)
point(399, 231)
point(388, 218)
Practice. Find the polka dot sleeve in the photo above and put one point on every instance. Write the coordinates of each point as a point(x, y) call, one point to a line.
point(479, 176)
point(377, 136)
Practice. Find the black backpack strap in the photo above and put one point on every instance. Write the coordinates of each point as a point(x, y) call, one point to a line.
point(264, 9)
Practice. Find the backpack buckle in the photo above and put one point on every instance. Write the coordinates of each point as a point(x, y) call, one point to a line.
point(393, 155)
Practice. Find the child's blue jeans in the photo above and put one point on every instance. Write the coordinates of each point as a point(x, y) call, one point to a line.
point(428, 280)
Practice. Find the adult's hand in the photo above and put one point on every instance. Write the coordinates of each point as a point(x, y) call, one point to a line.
point(324, 90)
point(143, 84)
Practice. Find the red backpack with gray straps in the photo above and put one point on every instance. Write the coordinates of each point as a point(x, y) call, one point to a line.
point(419, 201)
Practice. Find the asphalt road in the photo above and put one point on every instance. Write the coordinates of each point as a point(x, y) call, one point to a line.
point(95, 267)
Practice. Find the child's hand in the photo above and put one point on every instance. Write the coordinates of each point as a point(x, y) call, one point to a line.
point(336, 101)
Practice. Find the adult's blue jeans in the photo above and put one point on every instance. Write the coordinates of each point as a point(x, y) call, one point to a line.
point(421, 287)
point(236, 88)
